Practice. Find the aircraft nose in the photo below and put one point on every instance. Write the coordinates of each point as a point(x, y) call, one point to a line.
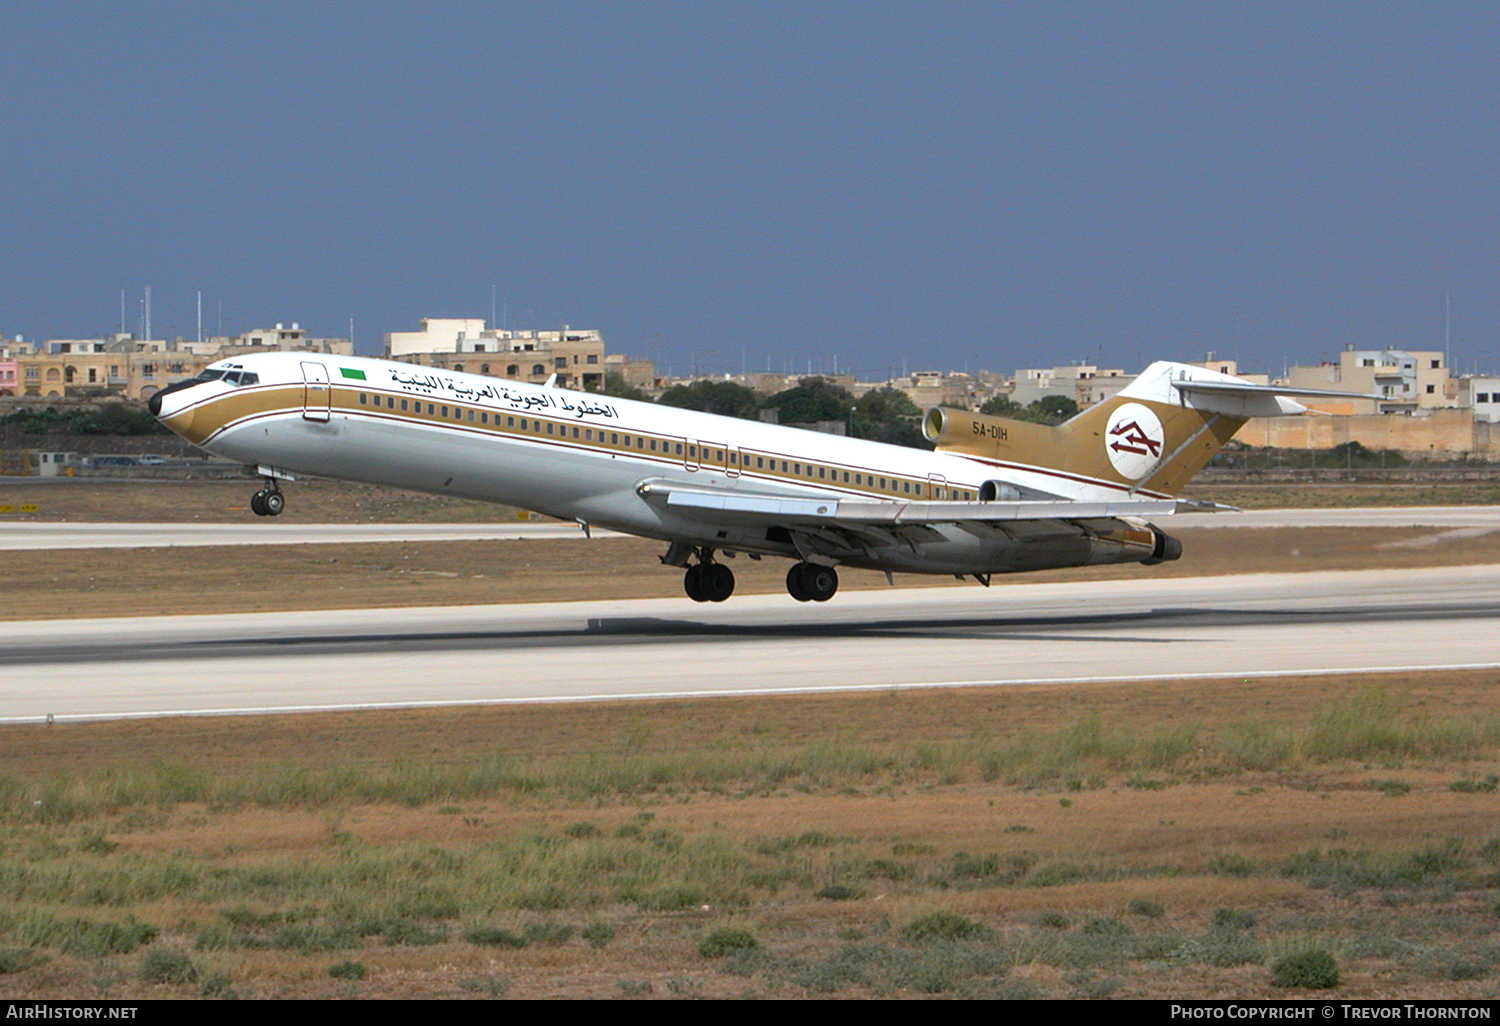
point(154, 404)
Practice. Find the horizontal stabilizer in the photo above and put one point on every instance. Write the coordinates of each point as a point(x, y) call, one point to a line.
point(1245, 390)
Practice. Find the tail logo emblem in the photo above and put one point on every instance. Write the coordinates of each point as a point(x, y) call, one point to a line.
point(1134, 441)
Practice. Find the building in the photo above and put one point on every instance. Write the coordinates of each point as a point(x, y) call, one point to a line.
point(940, 388)
point(1084, 383)
point(1482, 394)
point(1409, 382)
point(125, 365)
point(281, 339)
point(1423, 411)
point(575, 355)
point(63, 367)
point(635, 373)
point(1231, 367)
point(9, 370)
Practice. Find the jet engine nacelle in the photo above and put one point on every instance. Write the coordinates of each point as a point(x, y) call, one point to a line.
point(1165, 550)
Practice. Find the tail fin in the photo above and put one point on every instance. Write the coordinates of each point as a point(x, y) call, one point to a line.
point(1153, 436)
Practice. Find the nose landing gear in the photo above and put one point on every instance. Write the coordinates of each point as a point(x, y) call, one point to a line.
point(268, 502)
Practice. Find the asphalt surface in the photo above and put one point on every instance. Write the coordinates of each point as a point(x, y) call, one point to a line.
point(268, 531)
point(1254, 625)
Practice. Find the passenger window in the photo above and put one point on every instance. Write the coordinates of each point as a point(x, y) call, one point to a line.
point(362, 399)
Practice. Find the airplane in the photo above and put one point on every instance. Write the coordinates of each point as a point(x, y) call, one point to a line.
point(995, 496)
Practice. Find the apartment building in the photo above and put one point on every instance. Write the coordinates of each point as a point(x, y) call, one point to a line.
point(575, 355)
point(125, 365)
point(1409, 382)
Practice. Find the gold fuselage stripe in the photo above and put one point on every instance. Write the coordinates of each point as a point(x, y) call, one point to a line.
point(232, 409)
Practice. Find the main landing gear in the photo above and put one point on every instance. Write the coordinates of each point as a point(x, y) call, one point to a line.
point(268, 502)
point(809, 582)
point(708, 582)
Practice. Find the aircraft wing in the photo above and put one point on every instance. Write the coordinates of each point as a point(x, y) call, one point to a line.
point(742, 507)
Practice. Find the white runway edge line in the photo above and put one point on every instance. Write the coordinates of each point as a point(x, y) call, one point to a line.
point(643, 696)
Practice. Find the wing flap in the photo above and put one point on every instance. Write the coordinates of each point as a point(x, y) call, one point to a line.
point(740, 506)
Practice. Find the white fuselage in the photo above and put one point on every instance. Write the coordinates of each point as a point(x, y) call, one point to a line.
point(585, 457)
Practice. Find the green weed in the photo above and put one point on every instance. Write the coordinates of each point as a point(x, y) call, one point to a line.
point(1313, 969)
point(168, 967)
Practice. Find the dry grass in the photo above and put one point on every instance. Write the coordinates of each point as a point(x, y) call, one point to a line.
point(875, 795)
point(612, 839)
point(219, 502)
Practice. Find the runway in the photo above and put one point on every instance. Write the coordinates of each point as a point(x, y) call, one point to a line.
point(33, 536)
point(264, 531)
point(1367, 621)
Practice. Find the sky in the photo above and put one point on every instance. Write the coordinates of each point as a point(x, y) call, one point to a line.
point(722, 186)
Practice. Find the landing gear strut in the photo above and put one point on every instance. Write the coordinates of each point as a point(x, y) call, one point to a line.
point(809, 582)
point(268, 502)
point(707, 581)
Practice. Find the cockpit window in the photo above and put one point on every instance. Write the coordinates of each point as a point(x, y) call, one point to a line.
point(230, 377)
